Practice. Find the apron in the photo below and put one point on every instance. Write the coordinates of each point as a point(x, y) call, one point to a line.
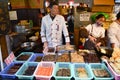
point(89, 44)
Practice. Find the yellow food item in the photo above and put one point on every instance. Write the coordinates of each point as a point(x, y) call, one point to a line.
point(76, 57)
point(115, 55)
point(82, 72)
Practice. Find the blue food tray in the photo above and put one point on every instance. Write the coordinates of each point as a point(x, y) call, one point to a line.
point(21, 71)
point(86, 67)
point(35, 55)
point(100, 66)
point(5, 75)
point(60, 65)
point(24, 53)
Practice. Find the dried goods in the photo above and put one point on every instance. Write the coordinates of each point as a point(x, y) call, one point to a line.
point(30, 70)
point(65, 48)
point(115, 66)
point(91, 58)
point(63, 58)
point(51, 49)
point(14, 69)
point(82, 72)
point(115, 55)
point(63, 72)
point(76, 57)
point(101, 73)
point(115, 60)
point(49, 57)
point(23, 57)
point(38, 59)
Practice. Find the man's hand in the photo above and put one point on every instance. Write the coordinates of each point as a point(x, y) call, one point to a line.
point(45, 45)
point(67, 43)
point(93, 39)
point(112, 45)
point(98, 44)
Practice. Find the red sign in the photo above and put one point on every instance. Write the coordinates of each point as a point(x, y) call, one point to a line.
point(10, 58)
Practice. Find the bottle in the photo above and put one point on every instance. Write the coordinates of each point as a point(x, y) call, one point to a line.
point(31, 23)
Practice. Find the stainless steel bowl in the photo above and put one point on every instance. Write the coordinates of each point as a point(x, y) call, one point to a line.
point(28, 45)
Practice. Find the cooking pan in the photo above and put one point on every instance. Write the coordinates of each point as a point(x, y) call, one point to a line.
point(28, 45)
point(105, 51)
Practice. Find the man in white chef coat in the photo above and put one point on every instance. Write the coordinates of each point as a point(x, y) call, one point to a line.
point(52, 27)
point(114, 32)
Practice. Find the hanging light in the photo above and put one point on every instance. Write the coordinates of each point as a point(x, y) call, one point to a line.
point(71, 3)
point(47, 3)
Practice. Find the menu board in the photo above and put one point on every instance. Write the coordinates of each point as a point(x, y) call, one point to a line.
point(4, 18)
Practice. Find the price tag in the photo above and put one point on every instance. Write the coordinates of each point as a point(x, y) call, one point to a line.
point(10, 58)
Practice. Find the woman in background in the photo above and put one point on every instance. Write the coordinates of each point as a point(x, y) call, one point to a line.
point(96, 31)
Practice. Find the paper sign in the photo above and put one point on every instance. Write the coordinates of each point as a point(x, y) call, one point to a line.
point(13, 15)
point(10, 58)
point(85, 17)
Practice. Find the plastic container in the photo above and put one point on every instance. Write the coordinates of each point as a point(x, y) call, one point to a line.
point(116, 76)
point(100, 66)
point(84, 66)
point(35, 56)
point(62, 65)
point(47, 66)
point(49, 50)
point(25, 59)
point(22, 71)
point(6, 76)
point(64, 48)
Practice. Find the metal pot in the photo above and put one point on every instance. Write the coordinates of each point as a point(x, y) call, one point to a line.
point(28, 45)
point(105, 51)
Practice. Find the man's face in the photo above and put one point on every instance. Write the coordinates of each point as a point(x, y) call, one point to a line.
point(54, 10)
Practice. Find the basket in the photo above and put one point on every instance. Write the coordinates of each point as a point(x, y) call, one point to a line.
point(116, 76)
point(4, 74)
point(62, 65)
point(45, 67)
point(35, 56)
point(22, 71)
point(25, 59)
point(100, 66)
point(87, 69)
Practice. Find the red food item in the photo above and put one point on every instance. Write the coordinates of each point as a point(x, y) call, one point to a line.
point(44, 71)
